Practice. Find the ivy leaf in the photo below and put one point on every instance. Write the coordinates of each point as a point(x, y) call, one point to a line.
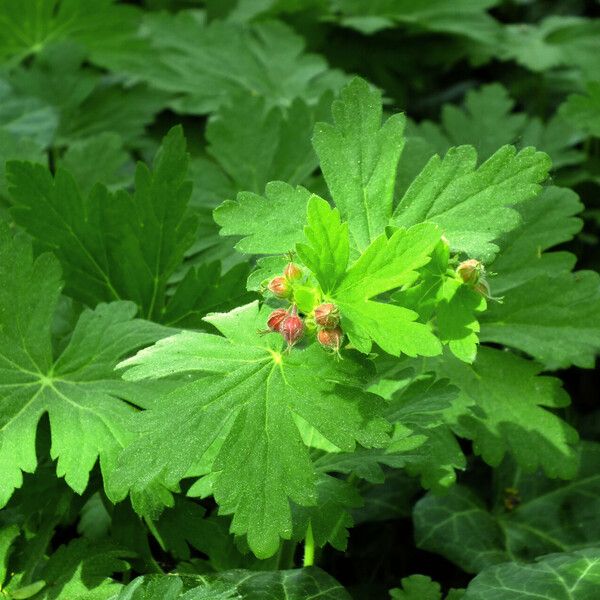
point(508, 398)
point(208, 65)
point(249, 405)
point(385, 265)
point(584, 111)
point(528, 518)
point(359, 157)
point(328, 249)
point(78, 390)
point(473, 206)
point(112, 246)
point(573, 575)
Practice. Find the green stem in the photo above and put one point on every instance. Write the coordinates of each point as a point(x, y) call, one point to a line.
point(309, 548)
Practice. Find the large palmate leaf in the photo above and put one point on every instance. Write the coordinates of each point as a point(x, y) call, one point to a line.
point(359, 157)
point(509, 399)
point(207, 65)
point(473, 205)
point(565, 576)
point(78, 390)
point(531, 516)
point(112, 246)
point(247, 407)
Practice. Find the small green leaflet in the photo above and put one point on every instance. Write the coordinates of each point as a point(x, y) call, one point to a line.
point(473, 205)
point(584, 111)
point(78, 390)
point(549, 516)
point(248, 406)
point(417, 587)
point(271, 224)
point(509, 415)
point(359, 157)
point(385, 265)
point(564, 576)
point(112, 246)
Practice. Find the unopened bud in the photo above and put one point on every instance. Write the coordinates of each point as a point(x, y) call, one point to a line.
point(470, 271)
point(276, 318)
point(330, 338)
point(292, 328)
point(292, 272)
point(280, 287)
point(327, 315)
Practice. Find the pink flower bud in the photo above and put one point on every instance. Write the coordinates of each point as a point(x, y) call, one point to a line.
point(327, 315)
point(331, 338)
point(276, 318)
point(292, 328)
point(280, 287)
point(470, 271)
point(292, 272)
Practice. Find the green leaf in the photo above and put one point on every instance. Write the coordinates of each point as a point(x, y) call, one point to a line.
point(78, 390)
point(331, 518)
point(208, 65)
point(508, 415)
point(248, 407)
point(82, 568)
point(112, 246)
point(530, 516)
point(328, 248)
point(171, 587)
point(546, 221)
point(255, 143)
point(100, 25)
point(584, 111)
point(385, 265)
point(358, 157)
point(554, 319)
point(8, 534)
point(417, 587)
point(473, 206)
point(271, 224)
point(565, 576)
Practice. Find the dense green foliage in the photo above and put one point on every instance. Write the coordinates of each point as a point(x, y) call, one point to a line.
point(290, 305)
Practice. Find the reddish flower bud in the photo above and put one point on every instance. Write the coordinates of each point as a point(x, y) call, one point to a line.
point(280, 287)
point(292, 328)
point(470, 271)
point(276, 318)
point(331, 338)
point(292, 272)
point(327, 315)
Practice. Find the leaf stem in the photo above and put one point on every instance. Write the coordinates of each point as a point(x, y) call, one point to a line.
point(309, 548)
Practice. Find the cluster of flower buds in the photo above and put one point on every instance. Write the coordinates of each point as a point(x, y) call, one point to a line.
point(288, 323)
point(329, 333)
point(472, 272)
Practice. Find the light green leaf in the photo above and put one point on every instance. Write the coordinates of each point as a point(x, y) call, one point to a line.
point(328, 249)
point(271, 224)
point(417, 587)
point(358, 157)
point(248, 405)
point(473, 206)
point(385, 265)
